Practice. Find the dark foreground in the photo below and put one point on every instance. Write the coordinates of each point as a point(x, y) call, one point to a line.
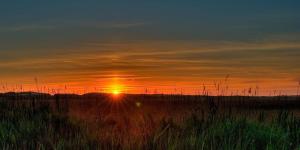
point(101, 121)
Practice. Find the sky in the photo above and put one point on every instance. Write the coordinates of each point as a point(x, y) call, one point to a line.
point(184, 47)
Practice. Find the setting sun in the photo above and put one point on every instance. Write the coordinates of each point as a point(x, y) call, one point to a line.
point(116, 92)
point(116, 89)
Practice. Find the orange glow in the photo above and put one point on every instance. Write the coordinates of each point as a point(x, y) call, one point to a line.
point(116, 88)
point(116, 92)
point(117, 84)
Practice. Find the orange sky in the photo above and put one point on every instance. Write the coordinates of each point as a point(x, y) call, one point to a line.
point(161, 67)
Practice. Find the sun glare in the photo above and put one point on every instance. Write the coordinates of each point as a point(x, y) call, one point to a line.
point(116, 92)
point(116, 89)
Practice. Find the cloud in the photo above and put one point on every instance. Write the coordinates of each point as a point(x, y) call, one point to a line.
point(118, 25)
point(163, 62)
point(26, 28)
point(99, 25)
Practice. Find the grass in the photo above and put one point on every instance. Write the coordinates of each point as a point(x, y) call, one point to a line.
point(31, 125)
point(230, 133)
point(38, 128)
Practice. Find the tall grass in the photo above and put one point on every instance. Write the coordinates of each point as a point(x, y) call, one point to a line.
point(33, 124)
point(227, 132)
point(37, 128)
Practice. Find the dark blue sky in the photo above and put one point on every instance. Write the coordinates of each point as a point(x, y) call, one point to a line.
point(230, 20)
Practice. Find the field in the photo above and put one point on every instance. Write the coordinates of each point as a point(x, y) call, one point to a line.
point(104, 121)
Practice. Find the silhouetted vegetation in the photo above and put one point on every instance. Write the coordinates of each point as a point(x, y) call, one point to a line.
point(97, 121)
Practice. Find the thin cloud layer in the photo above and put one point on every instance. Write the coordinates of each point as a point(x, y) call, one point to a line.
point(246, 64)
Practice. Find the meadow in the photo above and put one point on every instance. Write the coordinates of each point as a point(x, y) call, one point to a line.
point(104, 121)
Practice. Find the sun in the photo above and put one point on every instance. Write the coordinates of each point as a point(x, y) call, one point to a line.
point(116, 92)
point(116, 89)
